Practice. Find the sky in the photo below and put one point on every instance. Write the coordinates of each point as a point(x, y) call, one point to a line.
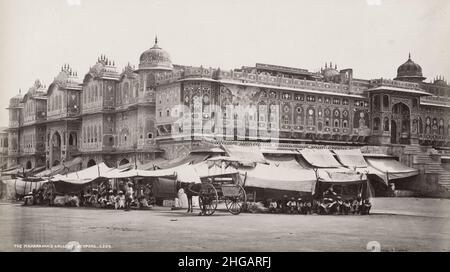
point(373, 37)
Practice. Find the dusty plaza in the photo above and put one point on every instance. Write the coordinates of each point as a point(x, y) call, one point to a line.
point(415, 225)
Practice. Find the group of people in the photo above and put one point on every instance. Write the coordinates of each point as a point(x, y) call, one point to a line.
point(127, 195)
point(330, 203)
point(290, 206)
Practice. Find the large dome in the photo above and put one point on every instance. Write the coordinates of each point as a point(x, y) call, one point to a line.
point(155, 58)
point(410, 71)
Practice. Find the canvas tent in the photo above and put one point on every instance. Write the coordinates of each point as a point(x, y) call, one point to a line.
point(246, 155)
point(329, 170)
point(84, 176)
point(20, 186)
point(184, 173)
point(70, 166)
point(391, 169)
point(279, 178)
point(354, 159)
point(211, 169)
point(320, 158)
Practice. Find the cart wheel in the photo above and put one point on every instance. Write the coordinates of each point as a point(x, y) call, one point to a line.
point(235, 204)
point(208, 199)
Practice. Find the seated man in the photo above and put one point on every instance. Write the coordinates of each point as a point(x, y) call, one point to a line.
point(272, 206)
point(300, 206)
point(355, 206)
point(103, 200)
point(73, 200)
point(143, 203)
point(284, 202)
point(120, 201)
point(110, 203)
point(339, 205)
point(28, 199)
point(346, 207)
point(365, 207)
point(292, 206)
point(307, 207)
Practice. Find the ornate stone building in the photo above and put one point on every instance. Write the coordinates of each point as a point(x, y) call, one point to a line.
point(165, 110)
point(3, 148)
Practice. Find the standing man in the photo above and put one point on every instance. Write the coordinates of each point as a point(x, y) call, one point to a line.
point(128, 195)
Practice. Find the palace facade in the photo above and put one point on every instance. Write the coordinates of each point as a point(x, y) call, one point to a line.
point(163, 110)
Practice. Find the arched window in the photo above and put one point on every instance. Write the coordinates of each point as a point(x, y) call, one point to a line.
point(420, 125)
point(126, 88)
point(376, 102)
point(386, 124)
point(376, 124)
point(385, 102)
point(136, 89)
point(262, 112)
point(336, 123)
point(311, 117)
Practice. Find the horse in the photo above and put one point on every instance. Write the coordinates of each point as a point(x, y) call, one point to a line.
point(190, 189)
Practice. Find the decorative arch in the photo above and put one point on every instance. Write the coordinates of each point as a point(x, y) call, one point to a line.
point(401, 117)
point(386, 101)
point(311, 116)
point(376, 124)
point(124, 161)
point(376, 102)
point(386, 124)
point(91, 163)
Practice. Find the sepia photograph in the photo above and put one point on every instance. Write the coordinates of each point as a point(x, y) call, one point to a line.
point(217, 126)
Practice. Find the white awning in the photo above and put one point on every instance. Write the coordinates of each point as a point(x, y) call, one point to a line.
point(340, 176)
point(351, 158)
point(279, 178)
point(207, 169)
point(84, 176)
point(184, 173)
point(391, 169)
point(245, 154)
point(321, 158)
point(70, 166)
point(287, 161)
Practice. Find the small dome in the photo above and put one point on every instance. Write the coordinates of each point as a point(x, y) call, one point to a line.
point(66, 75)
point(440, 81)
point(409, 71)
point(329, 72)
point(155, 58)
point(15, 100)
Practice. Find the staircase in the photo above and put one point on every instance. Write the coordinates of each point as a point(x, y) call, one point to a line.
point(423, 155)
